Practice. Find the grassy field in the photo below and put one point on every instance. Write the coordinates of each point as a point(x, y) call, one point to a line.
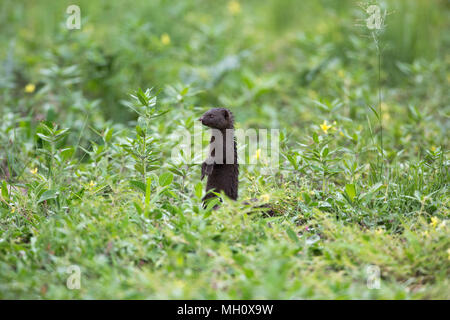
point(89, 186)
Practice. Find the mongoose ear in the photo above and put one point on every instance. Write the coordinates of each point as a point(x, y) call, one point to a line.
point(226, 114)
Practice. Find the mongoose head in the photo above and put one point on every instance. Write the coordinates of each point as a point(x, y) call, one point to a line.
point(218, 118)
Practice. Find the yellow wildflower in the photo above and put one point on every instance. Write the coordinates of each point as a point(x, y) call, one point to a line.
point(13, 209)
point(433, 148)
point(234, 7)
point(341, 133)
point(165, 39)
point(258, 154)
point(91, 184)
point(265, 197)
point(29, 88)
point(325, 127)
point(33, 171)
point(434, 222)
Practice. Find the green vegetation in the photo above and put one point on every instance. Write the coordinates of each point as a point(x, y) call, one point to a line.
point(87, 177)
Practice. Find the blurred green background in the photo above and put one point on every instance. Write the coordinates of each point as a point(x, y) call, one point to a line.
point(288, 45)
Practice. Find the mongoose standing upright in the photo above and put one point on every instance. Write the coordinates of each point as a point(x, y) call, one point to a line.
point(221, 166)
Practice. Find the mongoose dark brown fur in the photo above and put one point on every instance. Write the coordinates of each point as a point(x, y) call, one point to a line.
point(222, 169)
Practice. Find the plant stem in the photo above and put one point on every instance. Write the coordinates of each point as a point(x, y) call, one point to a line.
point(379, 107)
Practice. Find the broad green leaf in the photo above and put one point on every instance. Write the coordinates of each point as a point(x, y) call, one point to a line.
point(292, 160)
point(350, 190)
point(138, 207)
point(47, 195)
point(108, 134)
point(176, 171)
point(67, 153)
point(142, 98)
point(139, 168)
point(5, 194)
point(198, 190)
point(165, 179)
point(44, 137)
point(292, 234)
point(184, 91)
point(315, 137)
point(209, 207)
point(139, 131)
point(138, 184)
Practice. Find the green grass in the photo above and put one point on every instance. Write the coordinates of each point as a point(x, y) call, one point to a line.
point(87, 179)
